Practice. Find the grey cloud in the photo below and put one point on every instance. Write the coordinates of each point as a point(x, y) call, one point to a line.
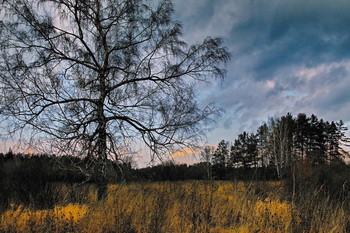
point(335, 98)
point(195, 13)
point(301, 47)
point(278, 34)
point(327, 93)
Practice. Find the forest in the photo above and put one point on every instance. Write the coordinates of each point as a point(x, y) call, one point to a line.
point(273, 152)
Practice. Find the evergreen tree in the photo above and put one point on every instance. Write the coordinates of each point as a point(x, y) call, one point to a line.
point(219, 160)
point(301, 135)
point(236, 158)
point(244, 151)
point(316, 141)
point(243, 138)
point(251, 158)
point(333, 138)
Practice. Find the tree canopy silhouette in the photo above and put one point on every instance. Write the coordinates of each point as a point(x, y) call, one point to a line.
point(94, 74)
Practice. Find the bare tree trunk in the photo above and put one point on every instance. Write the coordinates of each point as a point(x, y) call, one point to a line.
point(102, 181)
point(209, 171)
point(275, 157)
point(102, 143)
point(102, 162)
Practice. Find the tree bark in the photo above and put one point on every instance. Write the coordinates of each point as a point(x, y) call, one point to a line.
point(102, 160)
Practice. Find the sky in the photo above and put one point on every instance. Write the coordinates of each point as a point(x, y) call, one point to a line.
point(287, 56)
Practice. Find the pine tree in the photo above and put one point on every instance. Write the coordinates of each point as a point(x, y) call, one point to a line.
point(252, 151)
point(333, 138)
point(301, 135)
point(316, 141)
point(219, 160)
point(243, 138)
point(236, 158)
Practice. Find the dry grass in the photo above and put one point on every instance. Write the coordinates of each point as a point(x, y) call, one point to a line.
point(181, 207)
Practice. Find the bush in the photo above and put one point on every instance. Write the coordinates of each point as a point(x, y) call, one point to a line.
point(331, 181)
point(27, 182)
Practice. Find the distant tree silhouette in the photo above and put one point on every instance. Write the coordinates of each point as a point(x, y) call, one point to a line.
point(219, 160)
point(236, 155)
point(302, 126)
point(286, 141)
point(244, 152)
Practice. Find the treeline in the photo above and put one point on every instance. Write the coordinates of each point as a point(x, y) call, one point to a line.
point(18, 170)
point(32, 179)
point(303, 150)
point(35, 179)
point(276, 148)
point(23, 171)
point(281, 145)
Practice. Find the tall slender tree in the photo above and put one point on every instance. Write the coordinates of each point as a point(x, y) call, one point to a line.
point(282, 143)
point(263, 144)
point(235, 157)
point(219, 160)
point(206, 156)
point(301, 134)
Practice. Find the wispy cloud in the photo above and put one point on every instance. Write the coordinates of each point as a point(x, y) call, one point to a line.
point(185, 155)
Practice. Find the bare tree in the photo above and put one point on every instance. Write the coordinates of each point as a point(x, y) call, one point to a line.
point(281, 131)
point(206, 155)
point(93, 74)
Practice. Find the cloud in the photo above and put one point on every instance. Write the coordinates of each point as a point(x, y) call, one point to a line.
point(185, 155)
point(184, 152)
point(329, 94)
point(278, 34)
point(287, 56)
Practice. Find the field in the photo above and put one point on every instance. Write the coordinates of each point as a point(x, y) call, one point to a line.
point(192, 206)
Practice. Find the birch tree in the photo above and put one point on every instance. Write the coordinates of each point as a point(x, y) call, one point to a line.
point(93, 74)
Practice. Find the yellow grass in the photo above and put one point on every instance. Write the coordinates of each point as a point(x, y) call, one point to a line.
point(179, 207)
point(19, 219)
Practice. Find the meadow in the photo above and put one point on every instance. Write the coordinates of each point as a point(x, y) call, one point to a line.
point(187, 206)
